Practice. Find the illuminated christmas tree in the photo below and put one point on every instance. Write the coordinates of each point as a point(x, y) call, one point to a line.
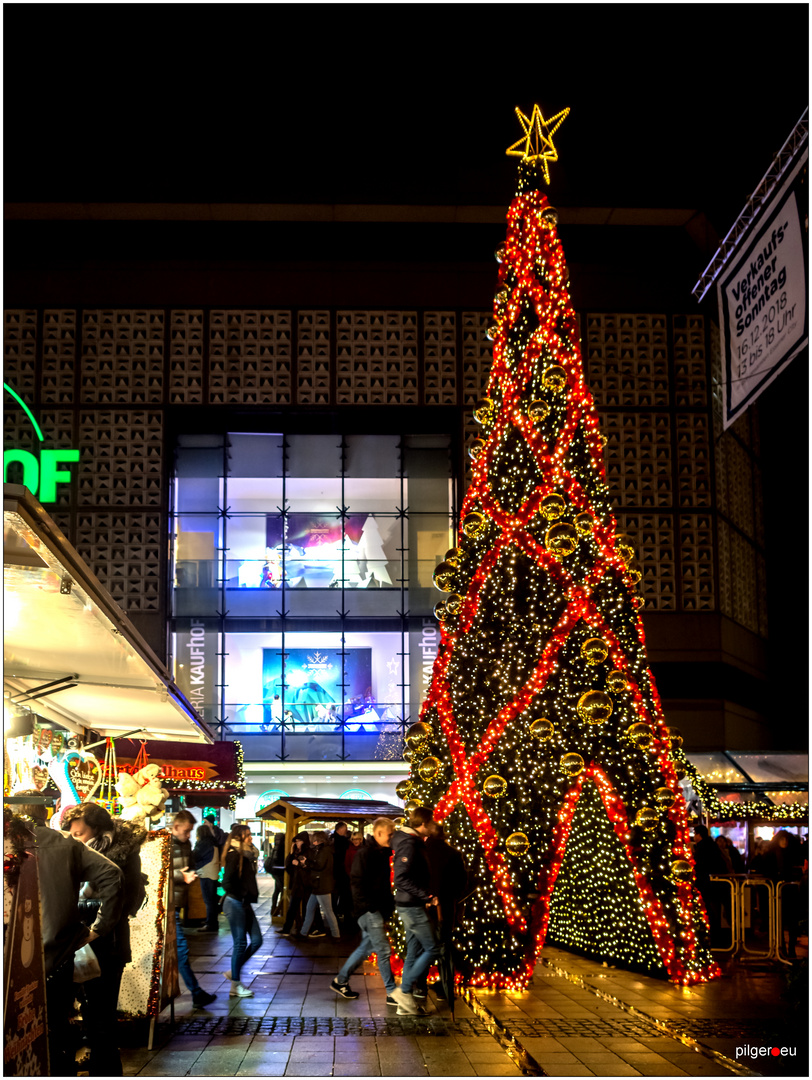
point(542, 743)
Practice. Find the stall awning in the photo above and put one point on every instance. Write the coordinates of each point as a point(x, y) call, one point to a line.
point(71, 654)
point(299, 811)
point(731, 785)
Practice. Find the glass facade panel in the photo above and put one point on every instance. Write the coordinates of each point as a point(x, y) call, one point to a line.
point(321, 696)
point(372, 456)
point(303, 581)
point(314, 455)
point(255, 455)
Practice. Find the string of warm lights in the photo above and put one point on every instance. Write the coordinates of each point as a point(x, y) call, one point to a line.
point(720, 810)
point(542, 744)
point(154, 1001)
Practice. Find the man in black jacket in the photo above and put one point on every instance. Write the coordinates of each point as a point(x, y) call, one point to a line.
point(412, 896)
point(64, 864)
point(373, 904)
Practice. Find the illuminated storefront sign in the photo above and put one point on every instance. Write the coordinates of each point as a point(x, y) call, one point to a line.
point(40, 473)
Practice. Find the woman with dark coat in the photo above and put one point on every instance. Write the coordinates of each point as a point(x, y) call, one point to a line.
point(299, 879)
point(275, 865)
point(322, 884)
point(206, 861)
point(240, 885)
point(120, 842)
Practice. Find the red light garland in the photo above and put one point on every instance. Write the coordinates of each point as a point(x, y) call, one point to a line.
point(528, 361)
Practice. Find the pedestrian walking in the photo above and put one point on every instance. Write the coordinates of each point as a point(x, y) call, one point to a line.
point(342, 897)
point(373, 904)
point(240, 884)
point(206, 861)
point(298, 883)
point(322, 883)
point(183, 875)
point(448, 880)
point(412, 895)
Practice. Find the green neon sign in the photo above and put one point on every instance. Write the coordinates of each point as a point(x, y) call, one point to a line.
point(40, 474)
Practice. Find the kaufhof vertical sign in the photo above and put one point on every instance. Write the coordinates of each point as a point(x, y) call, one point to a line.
point(763, 311)
point(195, 666)
point(40, 472)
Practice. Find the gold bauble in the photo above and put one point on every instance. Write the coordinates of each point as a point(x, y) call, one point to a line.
point(517, 843)
point(542, 729)
point(634, 570)
point(616, 681)
point(554, 378)
point(500, 253)
point(595, 707)
point(665, 797)
point(452, 604)
point(495, 786)
point(403, 789)
point(538, 411)
point(427, 769)
point(476, 448)
point(483, 413)
point(441, 612)
point(417, 734)
point(443, 576)
point(647, 818)
point(399, 822)
point(553, 505)
point(408, 755)
point(572, 764)
point(453, 556)
point(473, 524)
point(561, 538)
point(584, 524)
point(412, 804)
point(594, 650)
point(624, 546)
point(681, 870)
point(674, 737)
point(501, 295)
point(641, 735)
point(492, 331)
point(549, 215)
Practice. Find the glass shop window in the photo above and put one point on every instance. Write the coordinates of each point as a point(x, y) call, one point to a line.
point(308, 685)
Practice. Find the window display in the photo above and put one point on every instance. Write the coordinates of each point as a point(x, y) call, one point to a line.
point(307, 561)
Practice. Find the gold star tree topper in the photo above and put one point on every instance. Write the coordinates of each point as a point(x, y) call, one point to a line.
point(537, 141)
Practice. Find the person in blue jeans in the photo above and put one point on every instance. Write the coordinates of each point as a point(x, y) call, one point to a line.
point(319, 862)
point(373, 905)
point(412, 896)
point(183, 876)
point(240, 885)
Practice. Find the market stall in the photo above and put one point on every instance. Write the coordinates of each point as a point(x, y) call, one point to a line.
point(297, 813)
point(79, 681)
point(749, 795)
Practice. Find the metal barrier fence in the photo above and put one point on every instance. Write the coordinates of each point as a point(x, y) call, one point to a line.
point(758, 914)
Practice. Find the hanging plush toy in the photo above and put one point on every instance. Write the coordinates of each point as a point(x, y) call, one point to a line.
point(141, 795)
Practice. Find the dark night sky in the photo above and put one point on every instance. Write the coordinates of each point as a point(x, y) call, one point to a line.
point(672, 105)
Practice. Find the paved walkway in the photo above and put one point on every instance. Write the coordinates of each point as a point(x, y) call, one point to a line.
point(577, 1019)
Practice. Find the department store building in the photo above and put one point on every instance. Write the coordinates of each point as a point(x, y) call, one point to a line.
point(272, 416)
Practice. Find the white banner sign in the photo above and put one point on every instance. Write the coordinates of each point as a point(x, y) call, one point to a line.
point(763, 316)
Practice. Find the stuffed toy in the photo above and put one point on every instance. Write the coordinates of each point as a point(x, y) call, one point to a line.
point(141, 795)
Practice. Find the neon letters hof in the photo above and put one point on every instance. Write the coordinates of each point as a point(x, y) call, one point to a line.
point(40, 474)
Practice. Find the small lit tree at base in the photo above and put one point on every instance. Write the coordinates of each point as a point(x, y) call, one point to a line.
point(542, 743)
